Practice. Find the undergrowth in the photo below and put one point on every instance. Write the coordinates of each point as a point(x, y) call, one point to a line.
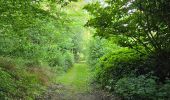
point(21, 79)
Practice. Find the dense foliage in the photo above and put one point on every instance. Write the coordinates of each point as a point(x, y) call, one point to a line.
point(35, 34)
point(30, 39)
point(129, 53)
point(21, 81)
point(137, 69)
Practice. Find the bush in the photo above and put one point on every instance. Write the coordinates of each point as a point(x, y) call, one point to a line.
point(115, 65)
point(164, 91)
point(6, 85)
point(130, 75)
point(20, 80)
point(98, 48)
point(56, 60)
point(136, 88)
point(68, 61)
point(95, 51)
point(142, 88)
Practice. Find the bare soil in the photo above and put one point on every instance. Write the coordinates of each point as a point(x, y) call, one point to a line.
point(61, 92)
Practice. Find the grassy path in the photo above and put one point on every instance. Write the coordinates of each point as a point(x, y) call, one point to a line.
point(74, 85)
point(77, 77)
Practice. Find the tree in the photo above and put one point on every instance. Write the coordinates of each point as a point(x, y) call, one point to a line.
point(139, 24)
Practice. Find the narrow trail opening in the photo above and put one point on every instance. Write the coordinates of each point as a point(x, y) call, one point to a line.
point(77, 77)
point(74, 85)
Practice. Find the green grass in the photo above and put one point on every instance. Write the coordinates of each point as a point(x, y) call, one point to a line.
point(77, 77)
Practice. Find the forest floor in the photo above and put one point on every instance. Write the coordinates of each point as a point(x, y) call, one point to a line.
point(74, 85)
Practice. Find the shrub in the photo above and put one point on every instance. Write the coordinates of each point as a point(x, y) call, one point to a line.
point(99, 48)
point(55, 60)
point(19, 82)
point(130, 75)
point(164, 91)
point(136, 88)
point(96, 50)
point(6, 85)
point(68, 61)
point(142, 88)
point(115, 65)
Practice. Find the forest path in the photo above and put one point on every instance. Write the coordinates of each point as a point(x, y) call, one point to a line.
point(74, 85)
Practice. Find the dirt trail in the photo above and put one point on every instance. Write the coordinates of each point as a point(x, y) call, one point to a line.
point(60, 92)
point(72, 86)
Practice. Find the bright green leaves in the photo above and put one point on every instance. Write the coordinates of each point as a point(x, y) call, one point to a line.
point(135, 20)
point(38, 29)
point(142, 25)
